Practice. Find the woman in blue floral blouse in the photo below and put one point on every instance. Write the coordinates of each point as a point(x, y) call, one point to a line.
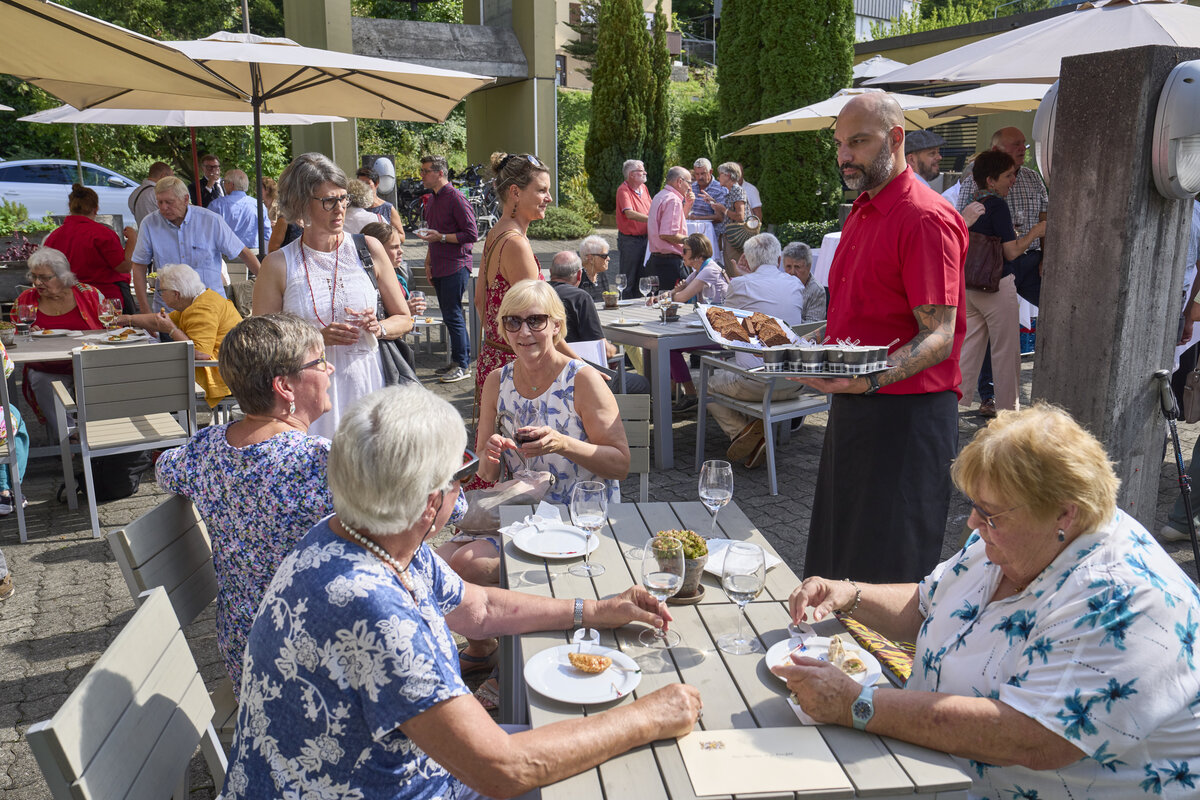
point(258, 483)
point(1056, 652)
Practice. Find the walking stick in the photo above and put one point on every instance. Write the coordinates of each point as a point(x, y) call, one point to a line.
point(1170, 411)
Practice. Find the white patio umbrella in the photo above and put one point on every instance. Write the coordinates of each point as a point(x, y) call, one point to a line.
point(819, 116)
point(876, 67)
point(993, 99)
point(6, 108)
point(1034, 53)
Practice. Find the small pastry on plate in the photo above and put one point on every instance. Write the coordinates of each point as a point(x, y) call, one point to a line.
point(589, 662)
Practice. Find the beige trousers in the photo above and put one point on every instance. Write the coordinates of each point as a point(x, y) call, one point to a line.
point(994, 317)
point(739, 388)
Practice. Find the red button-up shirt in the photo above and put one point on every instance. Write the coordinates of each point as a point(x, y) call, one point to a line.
point(902, 249)
point(628, 199)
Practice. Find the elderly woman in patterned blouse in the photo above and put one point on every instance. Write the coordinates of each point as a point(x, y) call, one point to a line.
point(1056, 652)
point(258, 483)
point(351, 685)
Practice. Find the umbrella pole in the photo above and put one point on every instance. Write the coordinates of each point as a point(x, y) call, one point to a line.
point(196, 168)
point(262, 247)
point(78, 160)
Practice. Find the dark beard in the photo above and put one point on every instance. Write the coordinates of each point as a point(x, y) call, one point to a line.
point(871, 175)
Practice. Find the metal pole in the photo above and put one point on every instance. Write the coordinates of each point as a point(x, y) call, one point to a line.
point(78, 160)
point(256, 99)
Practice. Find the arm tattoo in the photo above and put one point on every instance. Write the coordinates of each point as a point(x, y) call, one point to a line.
point(932, 344)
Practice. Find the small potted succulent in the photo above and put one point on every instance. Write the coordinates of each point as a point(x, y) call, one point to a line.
point(695, 554)
point(8, 333)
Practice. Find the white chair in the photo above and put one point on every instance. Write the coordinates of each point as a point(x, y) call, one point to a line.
point(8, 456)
point(771, 412)
point(127, 398)
point(635, 417)
point(131, 726)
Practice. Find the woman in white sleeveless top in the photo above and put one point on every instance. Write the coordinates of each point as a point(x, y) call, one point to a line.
point(321, 278)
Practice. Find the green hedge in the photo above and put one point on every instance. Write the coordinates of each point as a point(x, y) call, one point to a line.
point(560, 223)
point(810, 233)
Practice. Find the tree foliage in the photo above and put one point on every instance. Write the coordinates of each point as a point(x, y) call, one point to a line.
point(619, 82)
point(583, 46)
point(738, 52)
point(436, 11)
point(928, 15)
point(658, 119)
point(699, 125)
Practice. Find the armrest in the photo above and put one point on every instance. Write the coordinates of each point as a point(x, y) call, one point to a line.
point(63, 397)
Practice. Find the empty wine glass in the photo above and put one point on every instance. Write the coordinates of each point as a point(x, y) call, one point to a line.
point(716, 488)
point(742, 576)
point(589, 511)
point(621, 281)
point(645, 286)
point(27, 313)
point(662, 574)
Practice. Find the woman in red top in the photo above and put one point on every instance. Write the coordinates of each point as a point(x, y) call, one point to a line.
point(62, 303)
point(94, 250)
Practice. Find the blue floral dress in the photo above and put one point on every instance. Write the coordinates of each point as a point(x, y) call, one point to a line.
point(557, 407)
point(256, 502)
point(1100, 649)
point(340, 656)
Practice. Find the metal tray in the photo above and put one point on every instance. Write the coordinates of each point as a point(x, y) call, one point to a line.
point(702, 313)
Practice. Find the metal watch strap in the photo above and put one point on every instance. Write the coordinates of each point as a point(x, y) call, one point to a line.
point(862, 709)
point(874, 384)
point(578, 612)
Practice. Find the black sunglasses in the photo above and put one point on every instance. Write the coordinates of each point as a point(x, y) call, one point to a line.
point(536, 322)
point(469, 468)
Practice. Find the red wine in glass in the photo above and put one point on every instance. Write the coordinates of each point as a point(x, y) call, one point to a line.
point(524, 436)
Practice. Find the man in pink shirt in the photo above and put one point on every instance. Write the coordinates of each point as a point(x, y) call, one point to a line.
point(667, 228)
point(633, 206)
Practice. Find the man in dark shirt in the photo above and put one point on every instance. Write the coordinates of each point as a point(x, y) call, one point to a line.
point(450, 233)
point(583, 323)
point(210, 181)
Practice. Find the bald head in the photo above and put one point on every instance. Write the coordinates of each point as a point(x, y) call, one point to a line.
point(869, 135)
point(879, 107)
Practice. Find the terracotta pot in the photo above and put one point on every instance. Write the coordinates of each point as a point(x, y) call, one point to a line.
point(693, 571)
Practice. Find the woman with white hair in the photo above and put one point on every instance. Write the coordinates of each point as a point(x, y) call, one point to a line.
point(734, 209)
point(350, 682)
point(62, 303)
point(198, 314)
point(357, 215)
point(321, 278)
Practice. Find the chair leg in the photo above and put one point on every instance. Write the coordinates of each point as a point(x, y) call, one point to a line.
point(769, 435)
point(645, 487)
point(64, 450)
point(701, 414)
point(90, 485)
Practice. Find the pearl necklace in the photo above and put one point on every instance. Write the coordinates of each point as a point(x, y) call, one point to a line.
point(381, 554)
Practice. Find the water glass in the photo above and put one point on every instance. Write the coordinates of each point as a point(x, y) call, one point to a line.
point(589, 511)
point(663, 569)
point(742, 576)
point(716, 488)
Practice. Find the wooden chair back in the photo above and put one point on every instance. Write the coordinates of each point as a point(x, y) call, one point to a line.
point(635, 416)
point(135, 380)
point(129, 729)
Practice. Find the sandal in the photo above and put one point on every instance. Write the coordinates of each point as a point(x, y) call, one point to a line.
point(469, 665)
point(488, 694)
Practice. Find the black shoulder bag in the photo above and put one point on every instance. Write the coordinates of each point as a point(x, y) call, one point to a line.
point(396, 364)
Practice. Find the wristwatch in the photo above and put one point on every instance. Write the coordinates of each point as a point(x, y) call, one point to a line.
point(863, 708)
point(874, 384)
point(443, 238)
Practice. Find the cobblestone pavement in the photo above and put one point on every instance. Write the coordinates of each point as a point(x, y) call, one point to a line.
point(71, 601)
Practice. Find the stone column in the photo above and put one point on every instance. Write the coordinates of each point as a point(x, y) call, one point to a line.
point(1113, 268)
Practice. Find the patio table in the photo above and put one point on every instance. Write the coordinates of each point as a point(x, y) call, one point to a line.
point(738, 691)
point(659, 339)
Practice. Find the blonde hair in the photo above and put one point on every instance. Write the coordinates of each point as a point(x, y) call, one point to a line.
point(529, 293)
point(1044, 458)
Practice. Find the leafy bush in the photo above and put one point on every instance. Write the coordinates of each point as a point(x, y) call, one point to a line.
point(560, 223)
point(575, 196)
point(14, 218)
point(699, 129)
point(810, 233)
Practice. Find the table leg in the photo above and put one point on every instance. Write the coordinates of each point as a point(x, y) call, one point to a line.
point(660, 400)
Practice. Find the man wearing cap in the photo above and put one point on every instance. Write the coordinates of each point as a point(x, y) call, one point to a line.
point(922, 151)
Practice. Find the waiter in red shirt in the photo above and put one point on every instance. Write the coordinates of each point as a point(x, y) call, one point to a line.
point(883, 486)
point(633, 206)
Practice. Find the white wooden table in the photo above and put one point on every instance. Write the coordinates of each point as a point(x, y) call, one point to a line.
point(738, 691)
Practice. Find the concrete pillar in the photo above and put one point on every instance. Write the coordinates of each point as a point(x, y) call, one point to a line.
point(1113, 269)
point(324, 24)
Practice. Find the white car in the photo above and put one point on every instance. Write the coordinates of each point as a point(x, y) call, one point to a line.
point(43, 186)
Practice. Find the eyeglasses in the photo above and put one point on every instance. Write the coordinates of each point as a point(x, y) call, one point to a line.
point(330, 203)
point(322, 363)
point(469, 468)
point(536, 322)
point(40, 278)
point(990, 519)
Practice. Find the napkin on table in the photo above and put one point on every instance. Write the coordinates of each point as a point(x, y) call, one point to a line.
point(545, 512)
point(716, 557)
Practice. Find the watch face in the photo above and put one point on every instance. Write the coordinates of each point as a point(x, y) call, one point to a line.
point(861, 710)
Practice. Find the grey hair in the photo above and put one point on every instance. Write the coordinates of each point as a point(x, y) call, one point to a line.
point(565, 266)
point(630, 165)
point(181, 278)
point(436, 163)
point(761, 249)
point(798, 251)
point(173, 185)
point(259, 349)
point(703, 162)
point(56, 260)
point(360, 193)
point(238, 179)
point(593, 245)
point(382, 467)
point(675, 173)
point(298, 183)
point(732, 169)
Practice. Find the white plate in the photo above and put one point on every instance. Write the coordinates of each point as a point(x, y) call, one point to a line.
point(818, 647)
point(549, 673)
point(554, 540)
point(50, 333)
point(104, 338)
point(629, 323)
point(637, 301)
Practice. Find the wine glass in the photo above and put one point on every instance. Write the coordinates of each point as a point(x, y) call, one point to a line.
point(109, 311)
point(662, 575)
point(622, 281)
point(589, 510)
point(653, 283)
point(27, 313)
point(645, 286)
point(742, 575)
point(716, 488)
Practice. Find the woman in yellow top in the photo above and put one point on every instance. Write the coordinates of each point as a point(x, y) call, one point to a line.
point(199, 314)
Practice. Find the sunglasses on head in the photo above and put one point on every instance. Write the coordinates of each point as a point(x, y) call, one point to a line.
point(470, 466)
point(531, 159)
point(535, 322)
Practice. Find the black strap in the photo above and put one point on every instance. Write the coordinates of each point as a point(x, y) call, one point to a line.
point(138, 194)
point(368, 263)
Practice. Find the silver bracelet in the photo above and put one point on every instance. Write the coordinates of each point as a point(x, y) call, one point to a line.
point(578, 612)
point(857, 598)
point(382, 330)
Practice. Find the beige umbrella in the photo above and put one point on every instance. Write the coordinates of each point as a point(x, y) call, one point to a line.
point(47, 42)
point(1034, 53)
point(875, 67)
point(822, 115)
point(993, 99)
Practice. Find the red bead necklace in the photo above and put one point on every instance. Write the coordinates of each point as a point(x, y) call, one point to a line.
point(332, 287)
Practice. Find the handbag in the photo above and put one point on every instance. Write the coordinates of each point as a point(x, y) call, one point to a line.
point(737, 234)
point(1191, 396)
point(396, 368)
point(985, 263)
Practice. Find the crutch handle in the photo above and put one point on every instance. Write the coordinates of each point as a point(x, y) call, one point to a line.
point(1166, 397)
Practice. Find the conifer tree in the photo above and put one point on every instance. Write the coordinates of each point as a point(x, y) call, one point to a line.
point(739, 51)
point(658, 119)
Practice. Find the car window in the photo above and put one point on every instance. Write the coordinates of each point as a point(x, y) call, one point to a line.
point(94, 177)
point(35, 173)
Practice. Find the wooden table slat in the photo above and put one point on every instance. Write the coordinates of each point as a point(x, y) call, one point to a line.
point(928, 769)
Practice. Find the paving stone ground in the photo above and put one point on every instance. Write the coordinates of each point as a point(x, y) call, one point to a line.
point(71, 600)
